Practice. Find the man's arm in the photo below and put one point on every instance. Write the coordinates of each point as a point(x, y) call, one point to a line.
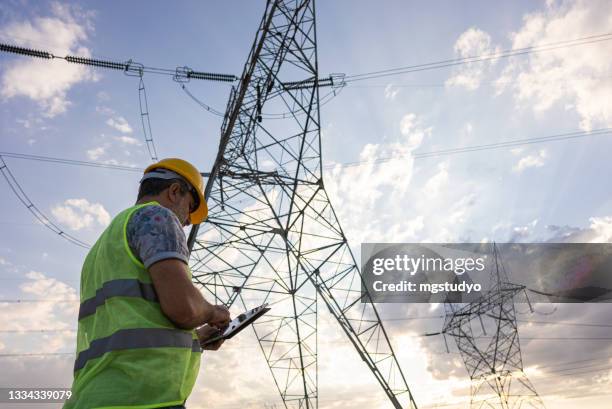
point(180, 300)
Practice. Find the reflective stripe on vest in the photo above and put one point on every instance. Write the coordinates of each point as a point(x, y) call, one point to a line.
point(117, 288)
point(137, 338)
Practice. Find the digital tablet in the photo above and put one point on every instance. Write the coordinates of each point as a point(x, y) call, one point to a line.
point(240, 322)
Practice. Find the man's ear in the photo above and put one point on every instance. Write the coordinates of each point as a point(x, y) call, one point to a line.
point(174, 191)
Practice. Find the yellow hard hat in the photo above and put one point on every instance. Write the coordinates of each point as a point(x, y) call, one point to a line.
point(191, 174)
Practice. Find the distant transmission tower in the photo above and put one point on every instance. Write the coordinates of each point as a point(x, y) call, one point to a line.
point(272, 234)
point(493, 360)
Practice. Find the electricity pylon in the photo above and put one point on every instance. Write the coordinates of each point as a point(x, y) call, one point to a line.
point(493, 360)
point(272, 234)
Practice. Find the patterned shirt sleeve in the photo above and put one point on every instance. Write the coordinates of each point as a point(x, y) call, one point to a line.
point(154, 233)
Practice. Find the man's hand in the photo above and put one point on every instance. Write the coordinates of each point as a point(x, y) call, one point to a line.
point(207, 332)
point(220, 318)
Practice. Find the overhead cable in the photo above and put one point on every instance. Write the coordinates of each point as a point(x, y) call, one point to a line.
point(146, 120)
point(32, 208)
point(422, 155)
point(180, 74)
point(480, 58)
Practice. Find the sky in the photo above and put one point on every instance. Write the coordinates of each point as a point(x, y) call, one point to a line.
point(540, 192)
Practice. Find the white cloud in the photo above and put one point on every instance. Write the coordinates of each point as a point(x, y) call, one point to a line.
point(103, 96)
point(578, 78)
point(96, 153)
point(128, 140)
point(104, 110)
point(520, 233)
point(79, 213)
point(391, 92)
point(408, 128)
point(437, 182)
point(531, 161)
point(382, 201)
point(58, 311)
point(55, 307)
point(599, 231)
point(472, 42)
point(602, 229)
point(468, 128)
point(120, 124)
point(46, 81)
point(27, 123)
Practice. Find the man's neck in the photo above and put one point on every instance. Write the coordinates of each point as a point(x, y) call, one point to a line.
point(147, 199)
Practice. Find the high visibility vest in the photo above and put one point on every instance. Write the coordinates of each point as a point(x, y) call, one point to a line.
point(129, 354)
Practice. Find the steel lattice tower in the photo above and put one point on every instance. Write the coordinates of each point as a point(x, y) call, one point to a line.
point(493, 360)
point(272, 234)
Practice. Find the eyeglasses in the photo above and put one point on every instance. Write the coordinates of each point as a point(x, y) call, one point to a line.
point(196, 200)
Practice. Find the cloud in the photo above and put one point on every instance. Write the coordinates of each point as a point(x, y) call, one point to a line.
point(48, 82)
point(601, 227)
point(437, 182)
point(103, 96)
point(360, 192)
point(96, 152)
point(120, 124)
point(472, 42)
point(57, 308)
point(78, 214)
point(115, 150)
point(54, 306)
point(382, 201)
point(519, 233)
point(128, 140)
point(531, 161)
point(578, 78)
point(599, 231)
point(391, 92)
point(104, 110)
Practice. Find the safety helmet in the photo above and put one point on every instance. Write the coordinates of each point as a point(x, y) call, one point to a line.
point(191, 175)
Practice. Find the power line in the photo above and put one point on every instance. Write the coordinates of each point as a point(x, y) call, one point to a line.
point(574, 362)
point(480, 58)
point(32, 208)
point(64, 161)
point(608, 368)
point(575, 324)
point(35, 354)
point(561, 338)
point(276, 115)
point(201, 103)
point(596, 365)
point(29, 331)
point(423, 155)
point(21, 301)
point(578, 324)
point(413, 318)
point(476, 148)
point(180, 74)
point(145, 119)
point(444, 85)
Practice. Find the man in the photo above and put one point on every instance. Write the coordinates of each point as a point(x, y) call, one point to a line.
point(136, 344)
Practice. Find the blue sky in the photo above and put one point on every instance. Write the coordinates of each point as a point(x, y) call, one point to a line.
point(540, 192)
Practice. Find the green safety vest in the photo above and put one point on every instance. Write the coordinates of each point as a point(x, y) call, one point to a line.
point(129, 354)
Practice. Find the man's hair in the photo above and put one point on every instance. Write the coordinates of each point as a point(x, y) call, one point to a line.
point(152, 187)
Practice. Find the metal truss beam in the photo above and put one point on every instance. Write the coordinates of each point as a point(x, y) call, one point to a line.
point(272, 234)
